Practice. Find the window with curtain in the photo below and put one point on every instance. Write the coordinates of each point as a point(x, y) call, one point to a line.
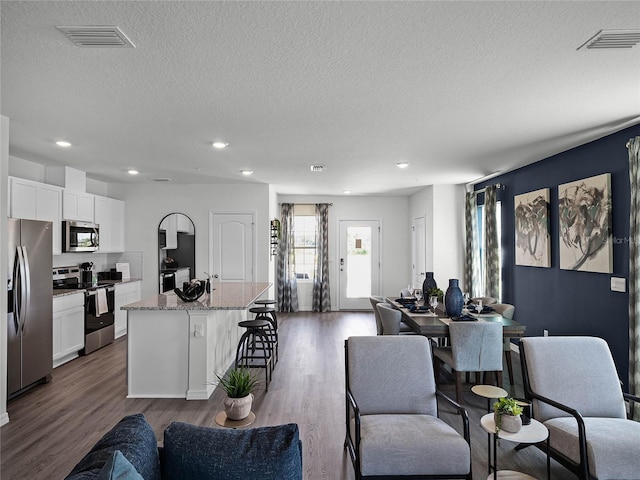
point(481, 242)
point(304, 248)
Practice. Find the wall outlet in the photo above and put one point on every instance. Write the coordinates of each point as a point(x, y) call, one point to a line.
point(545, 332)
point(618, 284)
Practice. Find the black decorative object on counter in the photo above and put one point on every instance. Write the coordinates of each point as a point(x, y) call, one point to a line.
point(428, 284)
point(193, 291)
point(453, 299)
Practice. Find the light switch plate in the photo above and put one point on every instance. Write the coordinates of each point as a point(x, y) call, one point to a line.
point(618, 284)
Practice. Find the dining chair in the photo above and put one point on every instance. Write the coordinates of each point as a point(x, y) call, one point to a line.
point(577, 395)
point(506, 310)
point(390, 318)
point(485, 300)
point(474, 347)
point(392, 424)
point(375, 300)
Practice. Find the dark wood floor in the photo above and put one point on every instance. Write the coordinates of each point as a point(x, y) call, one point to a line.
point(53, 426)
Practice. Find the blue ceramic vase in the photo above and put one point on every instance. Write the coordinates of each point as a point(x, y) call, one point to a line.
point(453, 299)
point(428, 284)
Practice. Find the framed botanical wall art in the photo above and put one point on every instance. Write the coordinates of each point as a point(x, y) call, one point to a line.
point(533, 238)
point(584, 209)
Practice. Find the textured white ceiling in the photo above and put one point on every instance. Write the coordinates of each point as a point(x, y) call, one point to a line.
point(460, 89)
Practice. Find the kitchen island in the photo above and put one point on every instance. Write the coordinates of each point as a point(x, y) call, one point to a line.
point(176, 348)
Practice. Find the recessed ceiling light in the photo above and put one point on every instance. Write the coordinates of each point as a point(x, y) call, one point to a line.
point(220, 144)
point(247, 172)
point(62, 143)
point(346, 192)
point(402, 164)
point(132, 172)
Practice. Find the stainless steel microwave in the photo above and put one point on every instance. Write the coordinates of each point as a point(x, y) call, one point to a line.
point(80, 236)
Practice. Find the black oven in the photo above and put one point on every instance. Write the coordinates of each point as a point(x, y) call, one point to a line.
point(99, 317)
point(80, 236)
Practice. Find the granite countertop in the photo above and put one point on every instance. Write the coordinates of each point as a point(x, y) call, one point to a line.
point(224, 296)
point(61, 292)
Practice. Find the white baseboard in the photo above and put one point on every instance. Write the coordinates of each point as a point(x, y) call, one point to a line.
point(4, 419)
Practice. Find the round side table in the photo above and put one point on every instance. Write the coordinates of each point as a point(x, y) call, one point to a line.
point(223, 421)
point(533, 433)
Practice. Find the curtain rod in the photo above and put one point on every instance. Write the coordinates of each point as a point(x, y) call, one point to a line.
point(499, 186)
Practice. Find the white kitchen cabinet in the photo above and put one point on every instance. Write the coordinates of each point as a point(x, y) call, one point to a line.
point(68, 327)
point(170, 227)
point(184, 224)
point(109, 214)
point(126, 293)
point(182, 275)
point(77, 206)
point(37, 201)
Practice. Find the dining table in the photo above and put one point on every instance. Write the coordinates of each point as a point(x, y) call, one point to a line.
point(436, 324)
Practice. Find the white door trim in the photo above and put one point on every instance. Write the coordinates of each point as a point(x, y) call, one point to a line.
point(254, 246)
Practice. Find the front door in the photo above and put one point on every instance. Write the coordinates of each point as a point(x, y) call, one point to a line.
point(359, 263)
point(232, 246)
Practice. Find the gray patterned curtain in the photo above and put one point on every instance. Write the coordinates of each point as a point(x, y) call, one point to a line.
point(321, 294)
point(491, 246)
point(471, 260)
point(286, 278)
point(634, 272)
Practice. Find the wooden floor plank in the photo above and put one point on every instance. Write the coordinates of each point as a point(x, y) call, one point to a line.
point(52, 427)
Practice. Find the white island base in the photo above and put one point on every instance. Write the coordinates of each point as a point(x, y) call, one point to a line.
point(175, 349)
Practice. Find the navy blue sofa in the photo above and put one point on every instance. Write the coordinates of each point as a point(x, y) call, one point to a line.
point(130, 451)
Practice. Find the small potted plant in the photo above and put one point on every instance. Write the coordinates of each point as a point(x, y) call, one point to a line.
point(506, 414)
point(436, 292)
point(238, 385)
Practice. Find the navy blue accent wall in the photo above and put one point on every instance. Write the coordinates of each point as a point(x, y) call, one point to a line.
point(569, 302)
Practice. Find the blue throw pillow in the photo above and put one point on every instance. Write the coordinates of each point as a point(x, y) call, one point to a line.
point(134, 437)
point(118, 468)
point(228, 454)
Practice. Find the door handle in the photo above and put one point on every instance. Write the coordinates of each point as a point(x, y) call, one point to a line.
point(215, 275)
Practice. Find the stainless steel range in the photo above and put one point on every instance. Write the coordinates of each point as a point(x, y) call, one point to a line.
point(99, 303)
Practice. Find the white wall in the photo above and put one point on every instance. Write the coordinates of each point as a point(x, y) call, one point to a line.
point(146, 205)
point(4, 168)
point(444, 224)
point(395, 247)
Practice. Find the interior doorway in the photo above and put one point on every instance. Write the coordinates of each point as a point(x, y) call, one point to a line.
point(418, 243)
point(358, 263)
point(232, 246)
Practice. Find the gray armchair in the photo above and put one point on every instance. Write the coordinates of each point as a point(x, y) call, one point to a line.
point(475, 347)
point(392, 424)
point(577, 395)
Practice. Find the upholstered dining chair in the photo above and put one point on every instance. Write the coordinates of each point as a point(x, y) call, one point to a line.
point(375, 300)
point(577, 395)
point(390, 318)
point(392, 424)
point(485, 300)
point(507, 311)
point(474, 347)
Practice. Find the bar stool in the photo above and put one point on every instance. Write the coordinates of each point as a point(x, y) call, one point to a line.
point(268, 314)
point(254, 348)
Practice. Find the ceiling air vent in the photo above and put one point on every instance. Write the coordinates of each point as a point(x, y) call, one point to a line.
point(161, 179)
point(317, 168)
point(613, 39)
point(97, 36)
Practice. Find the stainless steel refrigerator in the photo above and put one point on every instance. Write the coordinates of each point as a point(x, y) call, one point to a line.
point(29, 286)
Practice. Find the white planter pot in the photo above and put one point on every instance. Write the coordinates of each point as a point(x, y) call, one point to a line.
point(508, 423)
point(238, 408)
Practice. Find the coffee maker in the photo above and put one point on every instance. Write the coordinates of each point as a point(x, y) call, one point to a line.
point(86, 273)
